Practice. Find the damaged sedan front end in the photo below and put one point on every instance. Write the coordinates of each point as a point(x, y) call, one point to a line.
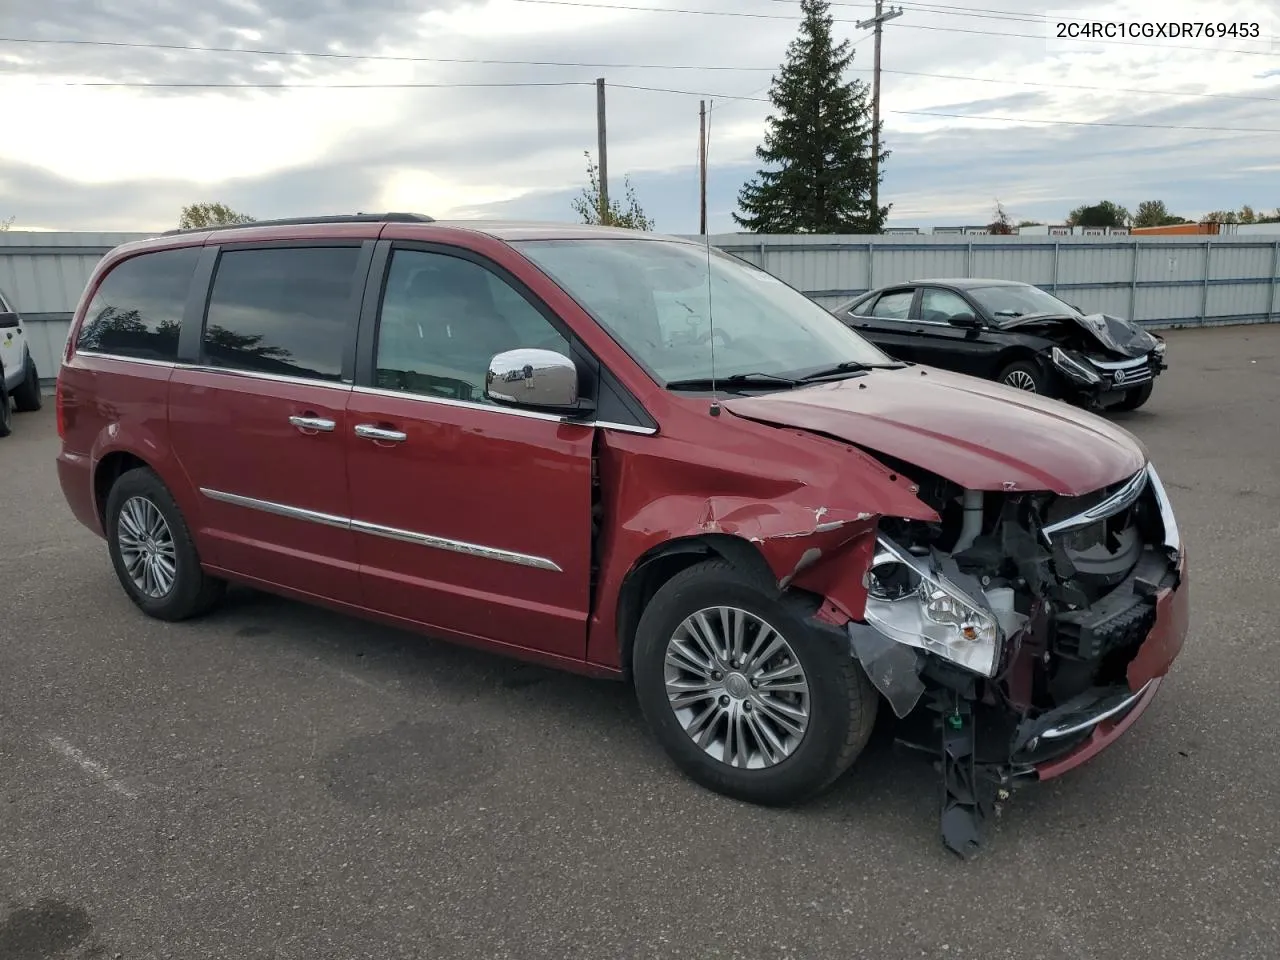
point(1034, 629)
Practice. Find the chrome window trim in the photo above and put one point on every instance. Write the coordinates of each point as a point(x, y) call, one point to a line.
point(343, 385)
point(346, 386)
point(379, 530)
point(508, 411)
point(111, 356)
point(1120, 500)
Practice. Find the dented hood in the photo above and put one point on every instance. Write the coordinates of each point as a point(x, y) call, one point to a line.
point(980, 435)
point(1115, 334)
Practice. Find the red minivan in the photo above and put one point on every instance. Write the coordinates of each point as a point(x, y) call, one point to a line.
point(636, 457)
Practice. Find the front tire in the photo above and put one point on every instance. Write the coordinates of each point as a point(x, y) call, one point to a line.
point(152, 550)
point(745, 697)
point(26, 397)
point(1136, 397)
point(1026, 375)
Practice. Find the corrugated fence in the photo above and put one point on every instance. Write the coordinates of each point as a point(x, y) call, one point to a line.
point(1160, 281)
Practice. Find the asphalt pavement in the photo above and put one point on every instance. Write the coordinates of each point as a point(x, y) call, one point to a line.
point(276, 781)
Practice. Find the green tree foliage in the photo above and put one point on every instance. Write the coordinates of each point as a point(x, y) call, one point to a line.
point(1103, 214)
point(587, 206)
point(818, 166)
point(198, 215)
point(1153, 213)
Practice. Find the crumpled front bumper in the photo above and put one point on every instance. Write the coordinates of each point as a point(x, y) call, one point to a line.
point(1082, 737)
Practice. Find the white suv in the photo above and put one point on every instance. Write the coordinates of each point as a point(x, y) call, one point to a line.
point(18, 376)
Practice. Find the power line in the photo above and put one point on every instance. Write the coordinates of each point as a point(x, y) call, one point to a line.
point(904, 26)
point(1077, 86)
point(944, 11)
point(623, 86)
point(307, 86)
point(195, 48)
point(1089, 123)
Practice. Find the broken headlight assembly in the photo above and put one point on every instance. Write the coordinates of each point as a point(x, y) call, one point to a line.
point(1075, 367)
point(911, 602)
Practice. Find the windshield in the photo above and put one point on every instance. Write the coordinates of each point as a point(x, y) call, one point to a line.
point(651, 296)
point(1009, 302)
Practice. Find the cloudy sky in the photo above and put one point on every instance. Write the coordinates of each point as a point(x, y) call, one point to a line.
point(483, 108)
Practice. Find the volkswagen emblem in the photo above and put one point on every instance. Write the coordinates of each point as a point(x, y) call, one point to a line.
point(1121, 376)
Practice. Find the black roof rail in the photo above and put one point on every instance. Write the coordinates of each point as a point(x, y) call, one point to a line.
point(308, 221)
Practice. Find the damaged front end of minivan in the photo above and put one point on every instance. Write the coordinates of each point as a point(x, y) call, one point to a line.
point(1027, 630)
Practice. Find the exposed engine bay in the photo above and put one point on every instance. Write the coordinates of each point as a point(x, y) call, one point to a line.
point(1006, 630)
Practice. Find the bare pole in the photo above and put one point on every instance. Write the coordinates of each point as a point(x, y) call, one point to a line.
point(878, 21)
point(602, 146)
point(702, 167)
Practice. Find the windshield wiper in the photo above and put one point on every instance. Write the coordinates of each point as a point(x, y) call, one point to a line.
point(736, 380)
point(848, 366)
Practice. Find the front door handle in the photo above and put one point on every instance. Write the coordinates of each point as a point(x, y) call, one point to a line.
point(371, 432)
point(320, 424)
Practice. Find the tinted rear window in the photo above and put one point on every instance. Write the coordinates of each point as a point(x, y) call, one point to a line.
point(137, 310)
point(282, 310)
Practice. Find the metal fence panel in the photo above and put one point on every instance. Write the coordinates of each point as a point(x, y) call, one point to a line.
point(1155, 280)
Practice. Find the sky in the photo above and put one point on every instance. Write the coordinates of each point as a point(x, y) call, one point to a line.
point(419, 106)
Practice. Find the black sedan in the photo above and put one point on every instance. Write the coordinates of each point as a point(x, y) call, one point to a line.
point(1014, 333)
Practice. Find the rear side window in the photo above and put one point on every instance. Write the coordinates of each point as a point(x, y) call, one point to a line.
point(894, 306)
point(137, 310)
point(282, 310)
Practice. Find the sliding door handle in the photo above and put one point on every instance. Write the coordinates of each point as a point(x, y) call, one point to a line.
point(371, 432)
point(321, 424)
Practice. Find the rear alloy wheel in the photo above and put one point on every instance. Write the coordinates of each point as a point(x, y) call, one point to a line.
point(746, 698)
point(1025, 375)
point(27, 396)
point(1135, 398)
point(152, 550)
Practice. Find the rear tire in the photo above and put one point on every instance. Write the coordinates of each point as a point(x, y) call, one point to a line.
point(1026, 375)
point(6, 410)
point(751, 695)
point(27, 396)
point(152, 550)
point(1136, 397)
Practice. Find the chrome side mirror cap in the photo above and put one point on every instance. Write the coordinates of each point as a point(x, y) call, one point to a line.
point(528, 377)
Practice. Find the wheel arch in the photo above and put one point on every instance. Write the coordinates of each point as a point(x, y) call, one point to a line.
point(110, 468)
point(662, 562)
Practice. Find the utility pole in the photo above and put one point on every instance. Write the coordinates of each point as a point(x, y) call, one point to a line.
point(878, 21)
point(602, 145)
point(702, 167)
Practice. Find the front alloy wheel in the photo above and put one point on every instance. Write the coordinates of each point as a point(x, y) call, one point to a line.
point(745, 693)
point(737, 687)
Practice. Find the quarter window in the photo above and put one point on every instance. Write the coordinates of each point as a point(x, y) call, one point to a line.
point(940, 306)
point(282, 310)
point(894, 306)
point(444, 318)
point(137, 309)
point(864, 308)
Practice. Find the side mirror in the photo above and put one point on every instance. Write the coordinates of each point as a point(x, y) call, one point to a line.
point(533, 378)
point(967, 320)
point(9, 320)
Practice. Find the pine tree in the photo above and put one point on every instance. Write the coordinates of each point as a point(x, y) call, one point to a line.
point(817, 145)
